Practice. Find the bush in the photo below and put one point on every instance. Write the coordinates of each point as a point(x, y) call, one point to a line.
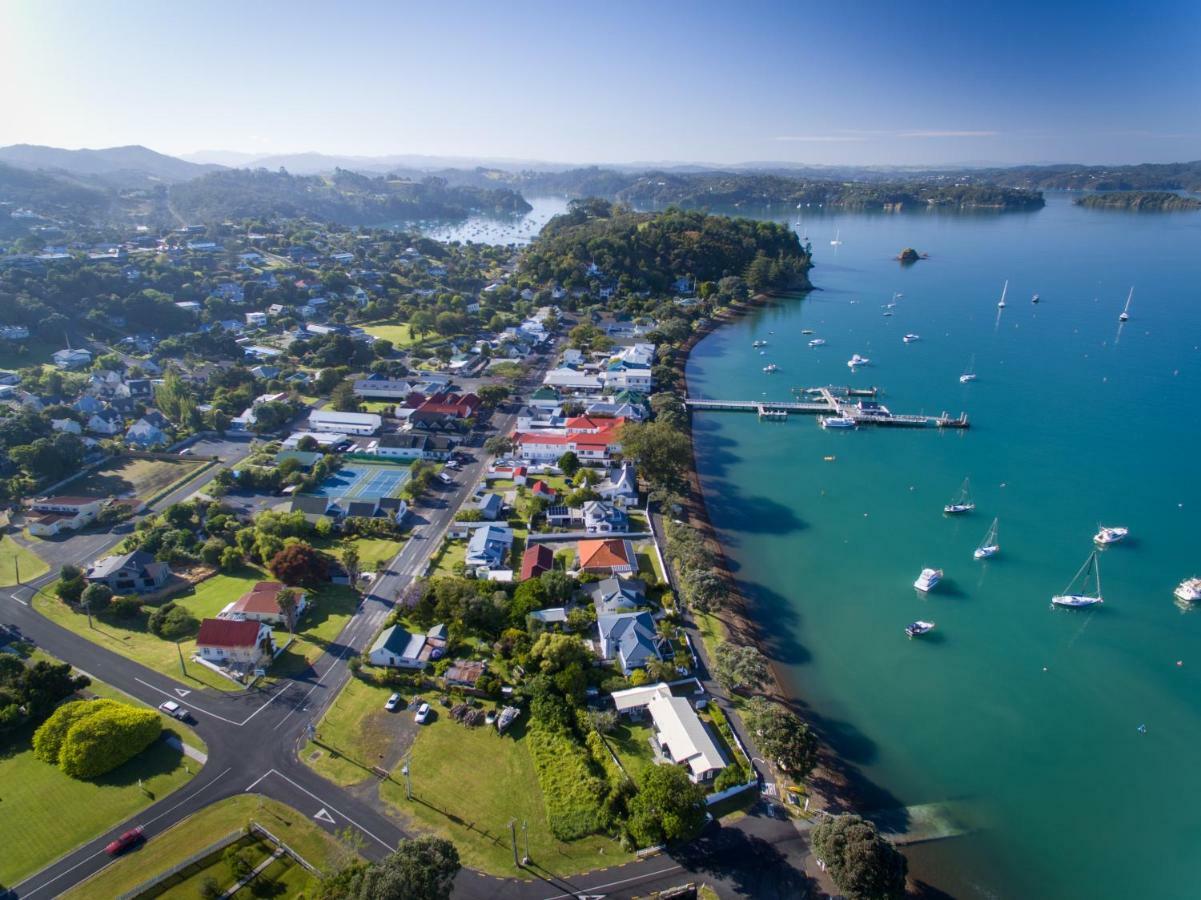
point(110, 737)
point(126, 607)
point(572, 792)
point(69, 590)
point(48, 739)
point(172, 622)
point(96, 597)
point(731, 776)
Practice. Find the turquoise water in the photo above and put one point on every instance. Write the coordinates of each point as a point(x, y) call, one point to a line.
point(1025, 715)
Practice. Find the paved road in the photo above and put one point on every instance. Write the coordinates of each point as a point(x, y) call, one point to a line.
point(253, 738)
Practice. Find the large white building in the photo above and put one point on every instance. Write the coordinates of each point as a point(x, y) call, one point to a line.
point(344, 422)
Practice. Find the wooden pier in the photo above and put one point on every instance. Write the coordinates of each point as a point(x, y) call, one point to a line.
point(832, 401)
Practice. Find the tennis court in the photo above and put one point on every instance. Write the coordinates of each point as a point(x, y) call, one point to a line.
point(364, 481)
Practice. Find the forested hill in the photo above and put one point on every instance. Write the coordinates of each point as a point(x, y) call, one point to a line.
point(1185, 176)
point(605, 242)
point(1146, 201)
point(718, 189)
point(53, 194)
point(344, 197)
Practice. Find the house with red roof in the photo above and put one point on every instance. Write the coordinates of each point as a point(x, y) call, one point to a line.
point(53, 514)
point(592, 440)
point(538, 558)
point(444, 410)
point(261, 604)
point(237, 643)
point(541, 489)
point(606, 557)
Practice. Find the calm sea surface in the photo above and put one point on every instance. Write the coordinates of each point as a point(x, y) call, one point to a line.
point(1026, 718)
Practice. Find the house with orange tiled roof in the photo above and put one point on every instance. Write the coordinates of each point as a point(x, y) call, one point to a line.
point(261, 604)
point(606, 557)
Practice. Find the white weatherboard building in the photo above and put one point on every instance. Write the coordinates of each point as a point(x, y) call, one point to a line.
point(344, 422)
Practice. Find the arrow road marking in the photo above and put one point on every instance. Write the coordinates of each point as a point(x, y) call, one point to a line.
point(183, 692)
point(322, 816)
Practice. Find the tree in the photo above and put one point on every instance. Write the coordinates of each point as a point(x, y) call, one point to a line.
point(498, 445)
point(569, 463)
point(90, 737)
point(96, 597)
point(492, 395)
point(172, 622)
point(739, 666)
point(343, 398)
point(667, 807)
point(287, 601)
point(351, 563)
point(44, 685)
point(662, 453)
point(863, 865)
point(782, 735)
point(70, 585)
point(420, 869)
point(298, 563)
point(383, 348)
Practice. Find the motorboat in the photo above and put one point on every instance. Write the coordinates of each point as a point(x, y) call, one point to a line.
point(1125, 316)
point(857, 360)
point(1073, 598)
point(969, 374)
point(806, 331)
point(817, 342)
point(1004, 290)
point(771, 367)
point(910, 338)
point(989, 546)
point(758, 344)
point(918, 627)
point(1034, 299)
point(961, 502)
point(837, 242)
point(1189, 590)
point(837, 422)
point(1107, 534)
point(928, 579)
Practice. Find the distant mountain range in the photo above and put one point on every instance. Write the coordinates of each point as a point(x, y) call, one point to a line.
point(119, 166)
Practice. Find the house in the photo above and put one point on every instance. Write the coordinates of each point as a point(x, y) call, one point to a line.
point(256, 319)
point(614, 595)
point(344, 422)
point(87, 404)
point(543, 490)
point(107, 422)
point(571, 380)
point(136, 572)
point(536, 559)
point(397, 648)
point(592, 440)
point(679, 733)
point(261, 604)
point(379, 388)
point(606, 557)
point(465, 673)
point(143, 433)
point(72, 359)
point(441, 409)
point(564, 517)
point(242, 643)
point(189, 306)
point(620, 489)
point(601, 516)
point(490, 506)
point(488, 547)
point(556, 615)
point(400, 446)
point(66, 426)
point(57, 513)
point(13, 332)
point(629, 639)
point(545, 398)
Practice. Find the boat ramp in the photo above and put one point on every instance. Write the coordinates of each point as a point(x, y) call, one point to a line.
point(832, 401)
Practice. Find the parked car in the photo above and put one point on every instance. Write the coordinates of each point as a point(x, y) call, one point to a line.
point(124, 842)
point(393, 703)
point(174, 710)
point(423, 713)
point(445, 479)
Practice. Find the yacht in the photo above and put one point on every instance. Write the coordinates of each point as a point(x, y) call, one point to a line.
point(1189, 590)
point(989, 546)
point(837, 242)
point(910, 338)
point(759, 344)
point(1004, 290)
point(806, 331)
point(961, 502)
point(837, 422)
point(1125, 316)
point(1083, 598)
point(928, 579)
point(857, 360)
point(918, 627)
point(969, 374)
point(1034, 299)
point(816, 342)
point(1110, 534)
point(771, 367)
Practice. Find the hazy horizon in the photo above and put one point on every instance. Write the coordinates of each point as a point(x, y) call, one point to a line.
point(931, 85)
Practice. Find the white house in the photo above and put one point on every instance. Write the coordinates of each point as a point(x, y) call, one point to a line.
point(107, 422)
point(397, 648)
point(56, 513)
point(344, 422)
point(145, 434)
point(571, 380)
point(67, 426)
point(256, 319)
point(261, 604)
point(679, 732)
point(72, 358)
point(233, 642)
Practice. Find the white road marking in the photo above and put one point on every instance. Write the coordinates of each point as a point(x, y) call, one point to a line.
point(298, 787)
point(19, 600)
point(322, 816)
point(254, 784)
point(615, 883)
point(194, 708)
point(183, 692)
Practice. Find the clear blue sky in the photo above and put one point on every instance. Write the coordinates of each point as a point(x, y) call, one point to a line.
point(830, 82)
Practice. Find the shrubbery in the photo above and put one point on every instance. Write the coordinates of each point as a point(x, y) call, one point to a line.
point(87, 738)
point(571, 790)
point(172, 622)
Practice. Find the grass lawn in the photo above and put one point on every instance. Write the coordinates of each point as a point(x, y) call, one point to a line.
point(358, 727)
point(383, 407)
point(207, 827)
point(451, 555)
point(631, 742)
point(398, 333)
point(34, 830)
point(36, 351)
point(187, 884)
point(122, 477)
point(370, 549)
point(469, 782)
point(13, 557)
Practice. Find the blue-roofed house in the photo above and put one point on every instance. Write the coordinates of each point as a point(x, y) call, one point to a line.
point(490, 506)
point(629, 639)
point(488, 548)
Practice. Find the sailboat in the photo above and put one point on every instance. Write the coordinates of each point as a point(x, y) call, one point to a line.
point(962, 502)
point(969, 374)
point(836, 242)
point(989, 546)
point(1004, 290)
point(1125, 316)
point(1083, 598)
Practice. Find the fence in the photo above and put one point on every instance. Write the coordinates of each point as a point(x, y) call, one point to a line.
point(730, 792)
point(178, 869)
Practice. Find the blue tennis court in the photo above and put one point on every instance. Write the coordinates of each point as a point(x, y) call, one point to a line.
point(365, 481)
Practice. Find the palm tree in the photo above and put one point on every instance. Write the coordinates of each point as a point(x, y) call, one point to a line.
point(350, 562)
point(287, 605)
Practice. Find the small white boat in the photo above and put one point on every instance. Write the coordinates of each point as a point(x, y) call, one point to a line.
point(918, 627)
point(888, 312)
point(857, 360)
point(961, 502)
point(1110, 534)
point(928, 579)
point(806, 331)
point(1083, 598)
point(837, 422)
point(771, 367)
point(989, 546)
point(837, 242)
point(1034, 299)
point(910, 338)
point(759, 344)
point(1189, 590)
point(969, 374)
point(1125, 316)
point(1004, 290)
point(817, 342)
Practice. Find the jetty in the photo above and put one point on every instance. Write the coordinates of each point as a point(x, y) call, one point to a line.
point(832, 401)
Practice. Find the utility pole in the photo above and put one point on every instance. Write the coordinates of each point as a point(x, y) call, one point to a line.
point(87, 607)
point(182, 668)
point(525, 832)
point(408, 781)
point(17, 566)
point(513, 835)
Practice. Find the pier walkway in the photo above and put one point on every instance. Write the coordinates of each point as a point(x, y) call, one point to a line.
point(832, 401)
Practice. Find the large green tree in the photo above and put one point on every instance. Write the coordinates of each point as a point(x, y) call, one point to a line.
point(662, 453)
point(419, 869)
point(863, 865)
point(782, 735)
point(739, 666)
point(667, 807)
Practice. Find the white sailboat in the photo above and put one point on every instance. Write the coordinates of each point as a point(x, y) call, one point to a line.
point(1083, 598)
point(1004, 291)
point(1125, 316)
point(837, 234)
point(989, 546)
point(969, 374)
point(962, 502)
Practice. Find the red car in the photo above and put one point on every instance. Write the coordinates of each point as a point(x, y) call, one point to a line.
point(124, 842)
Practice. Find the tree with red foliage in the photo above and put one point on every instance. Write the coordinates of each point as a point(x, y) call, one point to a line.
point(298, 563)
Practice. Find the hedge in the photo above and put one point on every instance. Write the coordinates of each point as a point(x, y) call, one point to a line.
point(48, 739)
point(572, 792)
point(105, 740)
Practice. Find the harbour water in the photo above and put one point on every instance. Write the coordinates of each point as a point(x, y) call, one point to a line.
point(1027, 717)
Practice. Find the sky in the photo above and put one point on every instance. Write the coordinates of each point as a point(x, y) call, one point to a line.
point(615, 82)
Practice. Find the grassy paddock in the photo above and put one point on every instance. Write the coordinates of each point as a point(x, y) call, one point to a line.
point(125, 477)
point(355, 733)
point(398, 333)
point(14, 557)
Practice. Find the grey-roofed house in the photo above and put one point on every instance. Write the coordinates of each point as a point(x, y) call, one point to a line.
point(490, 506)
point(488, 547)
point(310, 505)
point(361, 509)
point(621, 489)
point(616, 595)
point(629, 639)
point(602, 517)
point(136, 572)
